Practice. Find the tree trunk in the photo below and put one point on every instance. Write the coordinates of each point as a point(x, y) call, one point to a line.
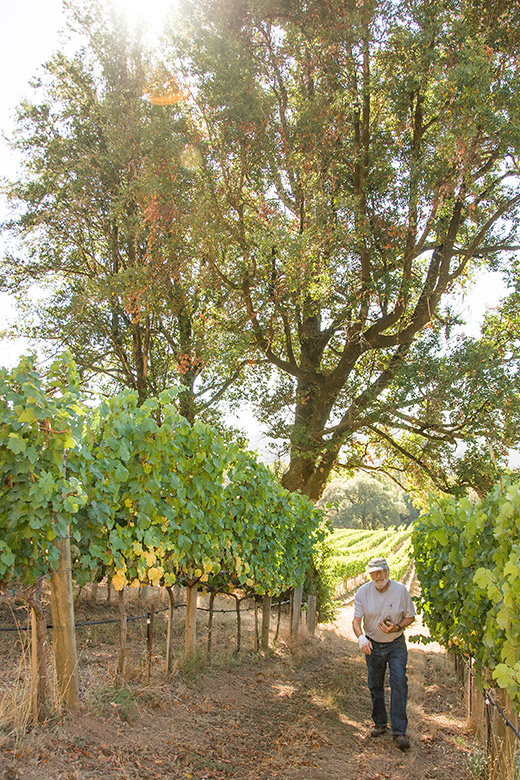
point(140, 344)
point(309, 467)
point(188, 361)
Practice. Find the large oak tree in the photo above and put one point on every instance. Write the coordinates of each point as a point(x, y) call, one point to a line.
point(359, 164)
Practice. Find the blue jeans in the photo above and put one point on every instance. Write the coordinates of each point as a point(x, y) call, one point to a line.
point(395, 655)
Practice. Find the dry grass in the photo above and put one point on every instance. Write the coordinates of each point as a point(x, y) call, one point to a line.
point(17, 715)
point(15, 703)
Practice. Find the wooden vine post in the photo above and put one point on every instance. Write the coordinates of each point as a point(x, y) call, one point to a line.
point(296, 609)
point(169, 630)
point(256, 638)
point(38, 657)
point(123, 630)
point(94, 592)
point(190, 634)
point(266, 621)
point(502, 748)
point(37, 694)
point(149, 641)
point(64, 633)
point(311, 614)
point(475, 706)
point(210, 621)
point(239, 622)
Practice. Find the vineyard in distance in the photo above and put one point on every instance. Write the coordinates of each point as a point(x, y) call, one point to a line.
point(350, 551)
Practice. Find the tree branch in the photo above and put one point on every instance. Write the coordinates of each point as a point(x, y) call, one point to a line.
point(469, 253)
point(263, 344)
point(442, 485)
point(218, 395)
point(349, 421)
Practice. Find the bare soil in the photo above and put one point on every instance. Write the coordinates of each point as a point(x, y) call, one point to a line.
point(299, 712)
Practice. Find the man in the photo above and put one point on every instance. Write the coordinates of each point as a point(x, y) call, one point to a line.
point(386, 609)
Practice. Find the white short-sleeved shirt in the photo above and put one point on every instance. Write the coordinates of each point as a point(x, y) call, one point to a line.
point(374, 606)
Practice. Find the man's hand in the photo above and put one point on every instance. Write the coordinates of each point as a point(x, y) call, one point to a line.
point(365, 644)
point(389, 628)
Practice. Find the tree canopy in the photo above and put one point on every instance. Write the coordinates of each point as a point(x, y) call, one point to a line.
point(106, 216)
point(360, 161)
point(309, 183)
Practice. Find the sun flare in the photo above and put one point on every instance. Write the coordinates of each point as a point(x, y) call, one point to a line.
point(152, 12)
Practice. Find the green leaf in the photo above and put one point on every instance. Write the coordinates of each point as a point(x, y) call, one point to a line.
point(27, 416)
point(16, 444)
point(121, 473)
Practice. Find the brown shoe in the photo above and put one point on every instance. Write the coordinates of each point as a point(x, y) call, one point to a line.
point(377, 731)
point(402, 741)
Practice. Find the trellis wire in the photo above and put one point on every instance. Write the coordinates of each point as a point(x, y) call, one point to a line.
point(136, 617)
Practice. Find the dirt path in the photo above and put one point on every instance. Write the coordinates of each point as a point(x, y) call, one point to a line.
point(301, 713)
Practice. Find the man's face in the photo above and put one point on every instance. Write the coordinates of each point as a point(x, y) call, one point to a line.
point(380, 578)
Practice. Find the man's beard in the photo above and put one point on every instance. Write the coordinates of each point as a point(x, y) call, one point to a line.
point(381, 584)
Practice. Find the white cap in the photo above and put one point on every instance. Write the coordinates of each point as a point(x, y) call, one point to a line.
point(376, 564)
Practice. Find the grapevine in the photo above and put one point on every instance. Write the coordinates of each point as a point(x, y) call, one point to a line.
point(149, 497)
point(467, 558)
point(40, 494)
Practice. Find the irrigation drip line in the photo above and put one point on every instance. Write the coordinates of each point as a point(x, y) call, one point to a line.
point(131, 617)
point(490, 700)
point(87, 622)
point(206, 609)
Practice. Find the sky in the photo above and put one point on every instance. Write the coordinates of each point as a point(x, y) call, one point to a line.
point(29, 34)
